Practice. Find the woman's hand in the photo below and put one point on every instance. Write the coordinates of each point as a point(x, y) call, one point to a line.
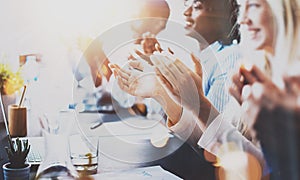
point(184, 85)
point(139, 80)
point(148, 43)
point(257, 94)
point(244, 77)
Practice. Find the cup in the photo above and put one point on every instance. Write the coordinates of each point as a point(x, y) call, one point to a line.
point(17, 120)
point(84, 153)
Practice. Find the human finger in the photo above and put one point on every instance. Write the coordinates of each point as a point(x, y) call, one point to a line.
point(173, 68)
point(170, 51)
point(257, 91)
point(131, 57)
point(158, 48)
point(251, 111)
point(197, 63)
point(260, 76)
point(163, 68)
point(133, 78)
point(168, 64)
point(182, 67)
point(136, 65)
point(122, 84)
point(292, 84)
point(168, 86)
point(249, 78)
point(115, 72)
point(266, 95)
point(121, 73)
point(143, 56)
point(235, 93)
point(113, 66)
point(125, 69)
point(238, 80)
point(246, 92)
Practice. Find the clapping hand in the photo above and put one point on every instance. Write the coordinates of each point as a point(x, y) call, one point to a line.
point(140, 78)
point(181, 83)
point(257, 95)
point(149, 43)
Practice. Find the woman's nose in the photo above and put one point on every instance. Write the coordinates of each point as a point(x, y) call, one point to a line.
point(243, 18)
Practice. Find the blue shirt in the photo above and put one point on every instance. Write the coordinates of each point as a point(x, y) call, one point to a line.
point(217, 62)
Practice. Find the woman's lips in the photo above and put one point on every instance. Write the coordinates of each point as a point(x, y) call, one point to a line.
point(253, 33)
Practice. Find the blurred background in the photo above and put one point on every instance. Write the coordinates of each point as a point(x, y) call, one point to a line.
point(47, 38)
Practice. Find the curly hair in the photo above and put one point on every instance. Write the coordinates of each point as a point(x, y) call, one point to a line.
point(233, 31)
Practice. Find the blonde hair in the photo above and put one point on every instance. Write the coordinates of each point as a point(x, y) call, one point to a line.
point(286, 13)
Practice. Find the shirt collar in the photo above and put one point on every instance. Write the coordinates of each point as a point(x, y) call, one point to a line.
point(216, 46)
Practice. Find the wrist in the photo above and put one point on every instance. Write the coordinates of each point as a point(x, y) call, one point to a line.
point(159, 92)
point(207, 112)
point(173, 118)
point(172, 109)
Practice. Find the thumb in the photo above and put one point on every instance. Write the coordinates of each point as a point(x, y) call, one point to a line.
point(198, 66)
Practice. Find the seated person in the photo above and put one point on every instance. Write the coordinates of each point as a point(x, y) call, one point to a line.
point(152, 19)
point(218, 57)
point(271, 106)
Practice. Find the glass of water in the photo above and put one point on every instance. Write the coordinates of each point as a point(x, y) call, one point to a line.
point(84, 152)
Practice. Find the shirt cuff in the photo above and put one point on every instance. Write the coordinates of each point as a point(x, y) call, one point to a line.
point(186, 128)
point(212, 135)
point(221, 131)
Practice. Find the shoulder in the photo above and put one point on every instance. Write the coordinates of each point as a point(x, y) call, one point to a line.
point(228, 50)
point(228, 54)
point(222, 58)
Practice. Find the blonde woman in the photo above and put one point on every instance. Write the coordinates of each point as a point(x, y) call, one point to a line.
point(272, 108)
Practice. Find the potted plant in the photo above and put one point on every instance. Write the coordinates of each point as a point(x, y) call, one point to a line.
point(17, 152)
point(10, 82)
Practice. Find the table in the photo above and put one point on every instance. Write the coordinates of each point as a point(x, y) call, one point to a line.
point(176, 156)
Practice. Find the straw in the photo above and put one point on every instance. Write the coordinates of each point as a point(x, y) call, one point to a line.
point(4, 116)
point(22, 97)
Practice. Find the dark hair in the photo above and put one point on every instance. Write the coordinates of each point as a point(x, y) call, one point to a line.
point(233, 31)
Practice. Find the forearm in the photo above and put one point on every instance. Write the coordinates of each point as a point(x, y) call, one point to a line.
point(206, 113)
point(187, 128)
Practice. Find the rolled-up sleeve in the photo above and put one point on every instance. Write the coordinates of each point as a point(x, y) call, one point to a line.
point(221, 131)
point(186, 128)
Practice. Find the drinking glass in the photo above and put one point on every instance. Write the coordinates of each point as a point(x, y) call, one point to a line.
point(84, 153)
